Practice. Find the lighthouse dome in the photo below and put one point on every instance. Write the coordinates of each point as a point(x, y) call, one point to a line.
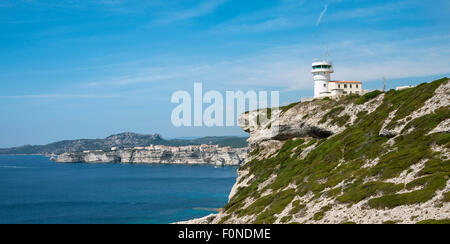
point(322, 66)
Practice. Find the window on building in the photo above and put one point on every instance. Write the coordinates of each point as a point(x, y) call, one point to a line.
point(357, 86)
point(339, 86)
point(345, 86)
point(350, 85)
point(322, 67)
point(324, 85)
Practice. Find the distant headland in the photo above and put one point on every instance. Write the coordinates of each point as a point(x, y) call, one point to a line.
point(121, 141)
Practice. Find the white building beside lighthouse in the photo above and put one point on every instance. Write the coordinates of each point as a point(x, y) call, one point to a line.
point(325, 87)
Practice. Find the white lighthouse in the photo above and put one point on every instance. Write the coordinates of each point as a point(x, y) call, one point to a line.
point(321, 71)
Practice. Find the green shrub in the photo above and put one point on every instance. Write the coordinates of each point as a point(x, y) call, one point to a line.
point(367, 97)
point(432, 184)
point(434, 222)
point(321, 214)
point(331, 114)
point(265, 218)
point(286, 219)
point(318, 216)
point(390, 222)
point(224, 219)
point(341, 121)
point(297, 207)
point(286, 108)
point(409, 100)
point(446, 197)
point(358, 192)
point(256, 151)
point(334, 192)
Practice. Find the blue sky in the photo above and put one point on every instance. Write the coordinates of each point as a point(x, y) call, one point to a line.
point(88, 69)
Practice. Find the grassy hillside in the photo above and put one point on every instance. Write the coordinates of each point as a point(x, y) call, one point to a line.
point(339, 168)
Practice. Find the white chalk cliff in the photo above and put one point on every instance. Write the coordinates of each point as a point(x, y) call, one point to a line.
point(219, 156)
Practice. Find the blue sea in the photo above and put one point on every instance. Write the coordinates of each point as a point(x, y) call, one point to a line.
point(34, 189)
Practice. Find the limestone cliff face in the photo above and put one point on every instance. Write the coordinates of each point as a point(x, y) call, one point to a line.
point(379, 158)
point(219, 157)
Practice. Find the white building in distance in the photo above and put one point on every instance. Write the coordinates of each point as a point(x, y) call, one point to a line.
point(399, 88)
point(325, 87)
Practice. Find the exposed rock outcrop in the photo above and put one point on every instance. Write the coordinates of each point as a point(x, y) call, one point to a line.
point(316, 119)
point(173, 155)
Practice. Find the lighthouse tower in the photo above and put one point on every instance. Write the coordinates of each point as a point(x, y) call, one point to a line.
point(321, 71)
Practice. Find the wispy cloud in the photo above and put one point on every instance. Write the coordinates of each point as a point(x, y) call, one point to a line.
point(59, 96)
point(289, 14)
point(324, 11)
point(367, 12)
point(287, 67)
point(202, 9)
point(266, 25)
point(133, 80)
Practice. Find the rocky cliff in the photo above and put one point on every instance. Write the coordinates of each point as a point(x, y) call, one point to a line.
point(219, 156)
point(378, 158)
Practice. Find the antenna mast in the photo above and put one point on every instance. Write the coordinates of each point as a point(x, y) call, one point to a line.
point(384, 83)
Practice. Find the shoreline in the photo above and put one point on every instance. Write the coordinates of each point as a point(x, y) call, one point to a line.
point(141, 163)
point(184, 164)
point(23, 155)
point(191, 155)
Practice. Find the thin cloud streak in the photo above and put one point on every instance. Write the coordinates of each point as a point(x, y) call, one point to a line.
point(59, 96)
point(287, 67)
point(287, 16)
point(322, 14)
point(275, 24)
point(134, 80)
point(202, 9)
point(367, 12)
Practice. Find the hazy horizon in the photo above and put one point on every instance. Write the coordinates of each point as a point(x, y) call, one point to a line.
point(165, 138)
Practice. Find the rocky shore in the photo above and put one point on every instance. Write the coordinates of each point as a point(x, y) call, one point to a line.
point(194, 155)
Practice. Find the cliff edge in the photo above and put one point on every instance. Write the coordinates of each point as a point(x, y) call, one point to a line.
point(218, 156)
point(378, 158)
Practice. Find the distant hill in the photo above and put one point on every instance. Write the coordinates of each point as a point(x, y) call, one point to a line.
point(123, 140)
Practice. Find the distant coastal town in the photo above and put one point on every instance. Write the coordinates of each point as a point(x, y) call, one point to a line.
point(201, 148)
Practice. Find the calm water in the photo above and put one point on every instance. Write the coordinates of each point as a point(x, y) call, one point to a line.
point(36, 190)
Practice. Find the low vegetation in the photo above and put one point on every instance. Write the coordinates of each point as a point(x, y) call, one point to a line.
point(331, 114)
point(319, 215)
point(435, 222)
point(368, 96)
point(286, 108)
point(340, 160)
